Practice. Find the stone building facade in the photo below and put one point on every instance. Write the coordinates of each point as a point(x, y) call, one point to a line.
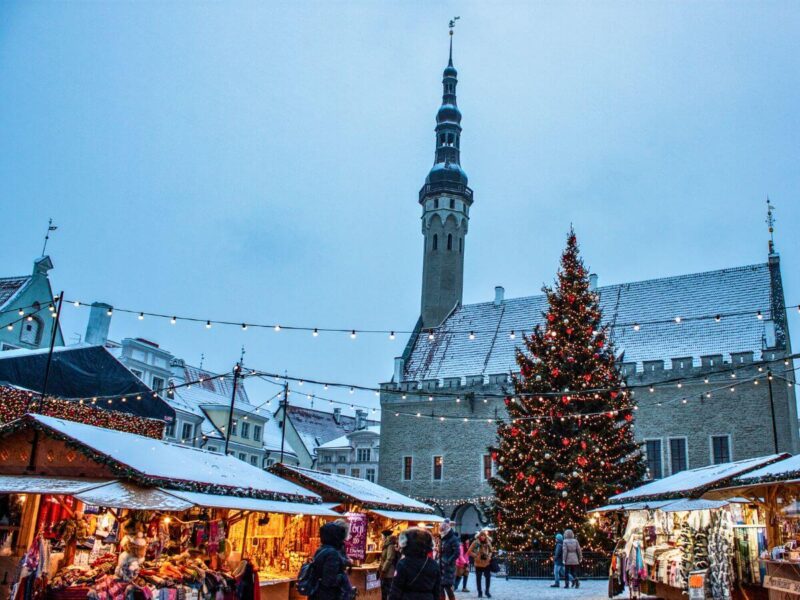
point(700, 340)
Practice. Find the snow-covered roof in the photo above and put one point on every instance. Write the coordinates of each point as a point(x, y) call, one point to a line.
point(10, 287)
point(317, 427)
point(399, 515)
point(255, 504)
point(693, 482)
point(785, 470)
point(156, 462)
point(351, 489)
point(344, 441)
point(120, 494)
point(44, 484)
point(742, 289)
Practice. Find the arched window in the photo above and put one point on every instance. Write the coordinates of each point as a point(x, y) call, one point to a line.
point(435, 241)
point(31, 331)
point(449, 241)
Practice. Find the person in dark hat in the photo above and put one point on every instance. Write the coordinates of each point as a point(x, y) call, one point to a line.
point(388, 562)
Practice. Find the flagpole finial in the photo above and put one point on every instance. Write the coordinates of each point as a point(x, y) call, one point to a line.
point(770, 221)
point(50, 227)
point(451, 25)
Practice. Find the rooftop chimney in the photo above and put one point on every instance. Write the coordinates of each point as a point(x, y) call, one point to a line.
point(399, 366)
point(99, 322)
point(361, 419)
point(499, 294)
point(337, 415)
point(593, 282)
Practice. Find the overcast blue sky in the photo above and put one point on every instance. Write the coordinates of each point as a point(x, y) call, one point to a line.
point(261, 161)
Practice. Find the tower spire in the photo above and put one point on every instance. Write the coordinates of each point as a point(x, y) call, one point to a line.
point(452, 24)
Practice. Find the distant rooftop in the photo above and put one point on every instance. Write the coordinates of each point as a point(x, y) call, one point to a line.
point(316, 427)
point(452, 354)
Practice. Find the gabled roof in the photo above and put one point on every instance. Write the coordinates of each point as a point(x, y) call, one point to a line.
point(341, 488)
point(784, 471)
point(82, 371)
point(742, 289)
point(344, 441)
point(695, 482)
point(315, 427)
point(157, 463)
point(10, 287)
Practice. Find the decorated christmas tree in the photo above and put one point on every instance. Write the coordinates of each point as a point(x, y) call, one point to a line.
point(567, 444)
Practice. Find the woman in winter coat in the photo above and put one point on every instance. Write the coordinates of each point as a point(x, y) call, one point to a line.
point(573, 556)
point(462, 564)
point(448, 555)
point(558, 560)
point(417, 576)
point(388, 562)
point(329, 563)
point(481, 552)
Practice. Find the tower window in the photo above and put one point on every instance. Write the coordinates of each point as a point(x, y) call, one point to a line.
point(460, 245)
point(449, 241)
point(452, 203)
point(435, 241)
point(442, 139)
point(435, 203)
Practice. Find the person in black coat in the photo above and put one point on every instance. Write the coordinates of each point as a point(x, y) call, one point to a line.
point(417, 576)
point(448, 554)
point(329, 562)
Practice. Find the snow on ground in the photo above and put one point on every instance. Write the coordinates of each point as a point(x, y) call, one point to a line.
point(538, 589)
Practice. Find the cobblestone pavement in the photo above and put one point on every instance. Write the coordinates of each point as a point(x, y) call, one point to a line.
point(522, 589)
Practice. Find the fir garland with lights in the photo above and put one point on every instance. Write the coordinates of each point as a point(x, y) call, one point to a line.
point(14, 403)
point(554, 463)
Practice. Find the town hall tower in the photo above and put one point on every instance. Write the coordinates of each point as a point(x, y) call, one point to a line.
point(445, 199)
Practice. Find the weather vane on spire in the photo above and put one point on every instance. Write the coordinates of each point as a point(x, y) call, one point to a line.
point(452, 24)
point(50, 227)
point(771, 225)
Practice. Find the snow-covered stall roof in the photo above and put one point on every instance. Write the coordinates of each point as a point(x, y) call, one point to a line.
point(256, 505)
point(43, 484)
point(693, 504)
point(694, 482)
point(399, 515)
point(785, 471)
point(651, 505)
point(351, 489)
point(152, 462)
point(120, 494)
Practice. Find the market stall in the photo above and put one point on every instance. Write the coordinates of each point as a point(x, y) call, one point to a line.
point(775, 488)
point(672, 542)
point(369, 509)
point(91, 512)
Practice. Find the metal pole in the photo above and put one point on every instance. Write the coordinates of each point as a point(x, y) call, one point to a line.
point(772, 410)
point(50, 353)
point(236, 369)
point(283, 420)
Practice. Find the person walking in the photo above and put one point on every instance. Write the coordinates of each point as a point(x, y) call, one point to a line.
point(462, 564)
point(481, 552)
point(448, 555)
point(558, 561)
point(571, 551)
point(388, 562)
point(329, 563)
point(417, 576)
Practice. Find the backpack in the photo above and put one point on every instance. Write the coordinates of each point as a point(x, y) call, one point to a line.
point(307, 581)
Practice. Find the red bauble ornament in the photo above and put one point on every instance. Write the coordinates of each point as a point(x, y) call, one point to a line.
point(614, 394)
point(583, 444)
point(520, 476)
point(555, 372)
point(494, 455)
point(551, 317)
point(531, 479)
point(562, 504)
point(514, 431)
point(629, 417)
point(559, 485)
point(585, 499)
point(534, 433)
point(571, 298)
point(565, 441)
point(582, 461)
point(569, 330)
point(587, 378)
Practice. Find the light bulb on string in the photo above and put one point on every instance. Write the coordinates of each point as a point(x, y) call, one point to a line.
point(353, 334)
point(141, 316)
point(315, 333)
point(173, 320)
point(76, 304)
point(391, 335)
point(277, 328)
point(472, 335)
point(208, 324)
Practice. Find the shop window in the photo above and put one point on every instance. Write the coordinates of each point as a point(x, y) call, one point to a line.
point(408, 471)
point(187, 431)
point(271, 462)
point(254, 460)
point(242, 456)
point(355, 472)
point(438, 464)
point(363, 454)
point(341, 471)
point(678, 460)
point(654, 460)
point(245, 430)
point(256, 433)
point(212, 449)
point(370, 475)
point(720, 449)
point(157, 385)
point(486, 467)
point(169, 430)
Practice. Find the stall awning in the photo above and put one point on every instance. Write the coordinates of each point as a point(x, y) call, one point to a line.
point(254, 504)
point(686, 505)
point(652, 505)
point(41, 484)
point(127, 495)
point(397, 515)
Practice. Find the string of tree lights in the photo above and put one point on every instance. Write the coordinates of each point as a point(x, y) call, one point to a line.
point(471, 334)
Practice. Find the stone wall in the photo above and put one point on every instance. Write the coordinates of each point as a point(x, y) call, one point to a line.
point(745, 414)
